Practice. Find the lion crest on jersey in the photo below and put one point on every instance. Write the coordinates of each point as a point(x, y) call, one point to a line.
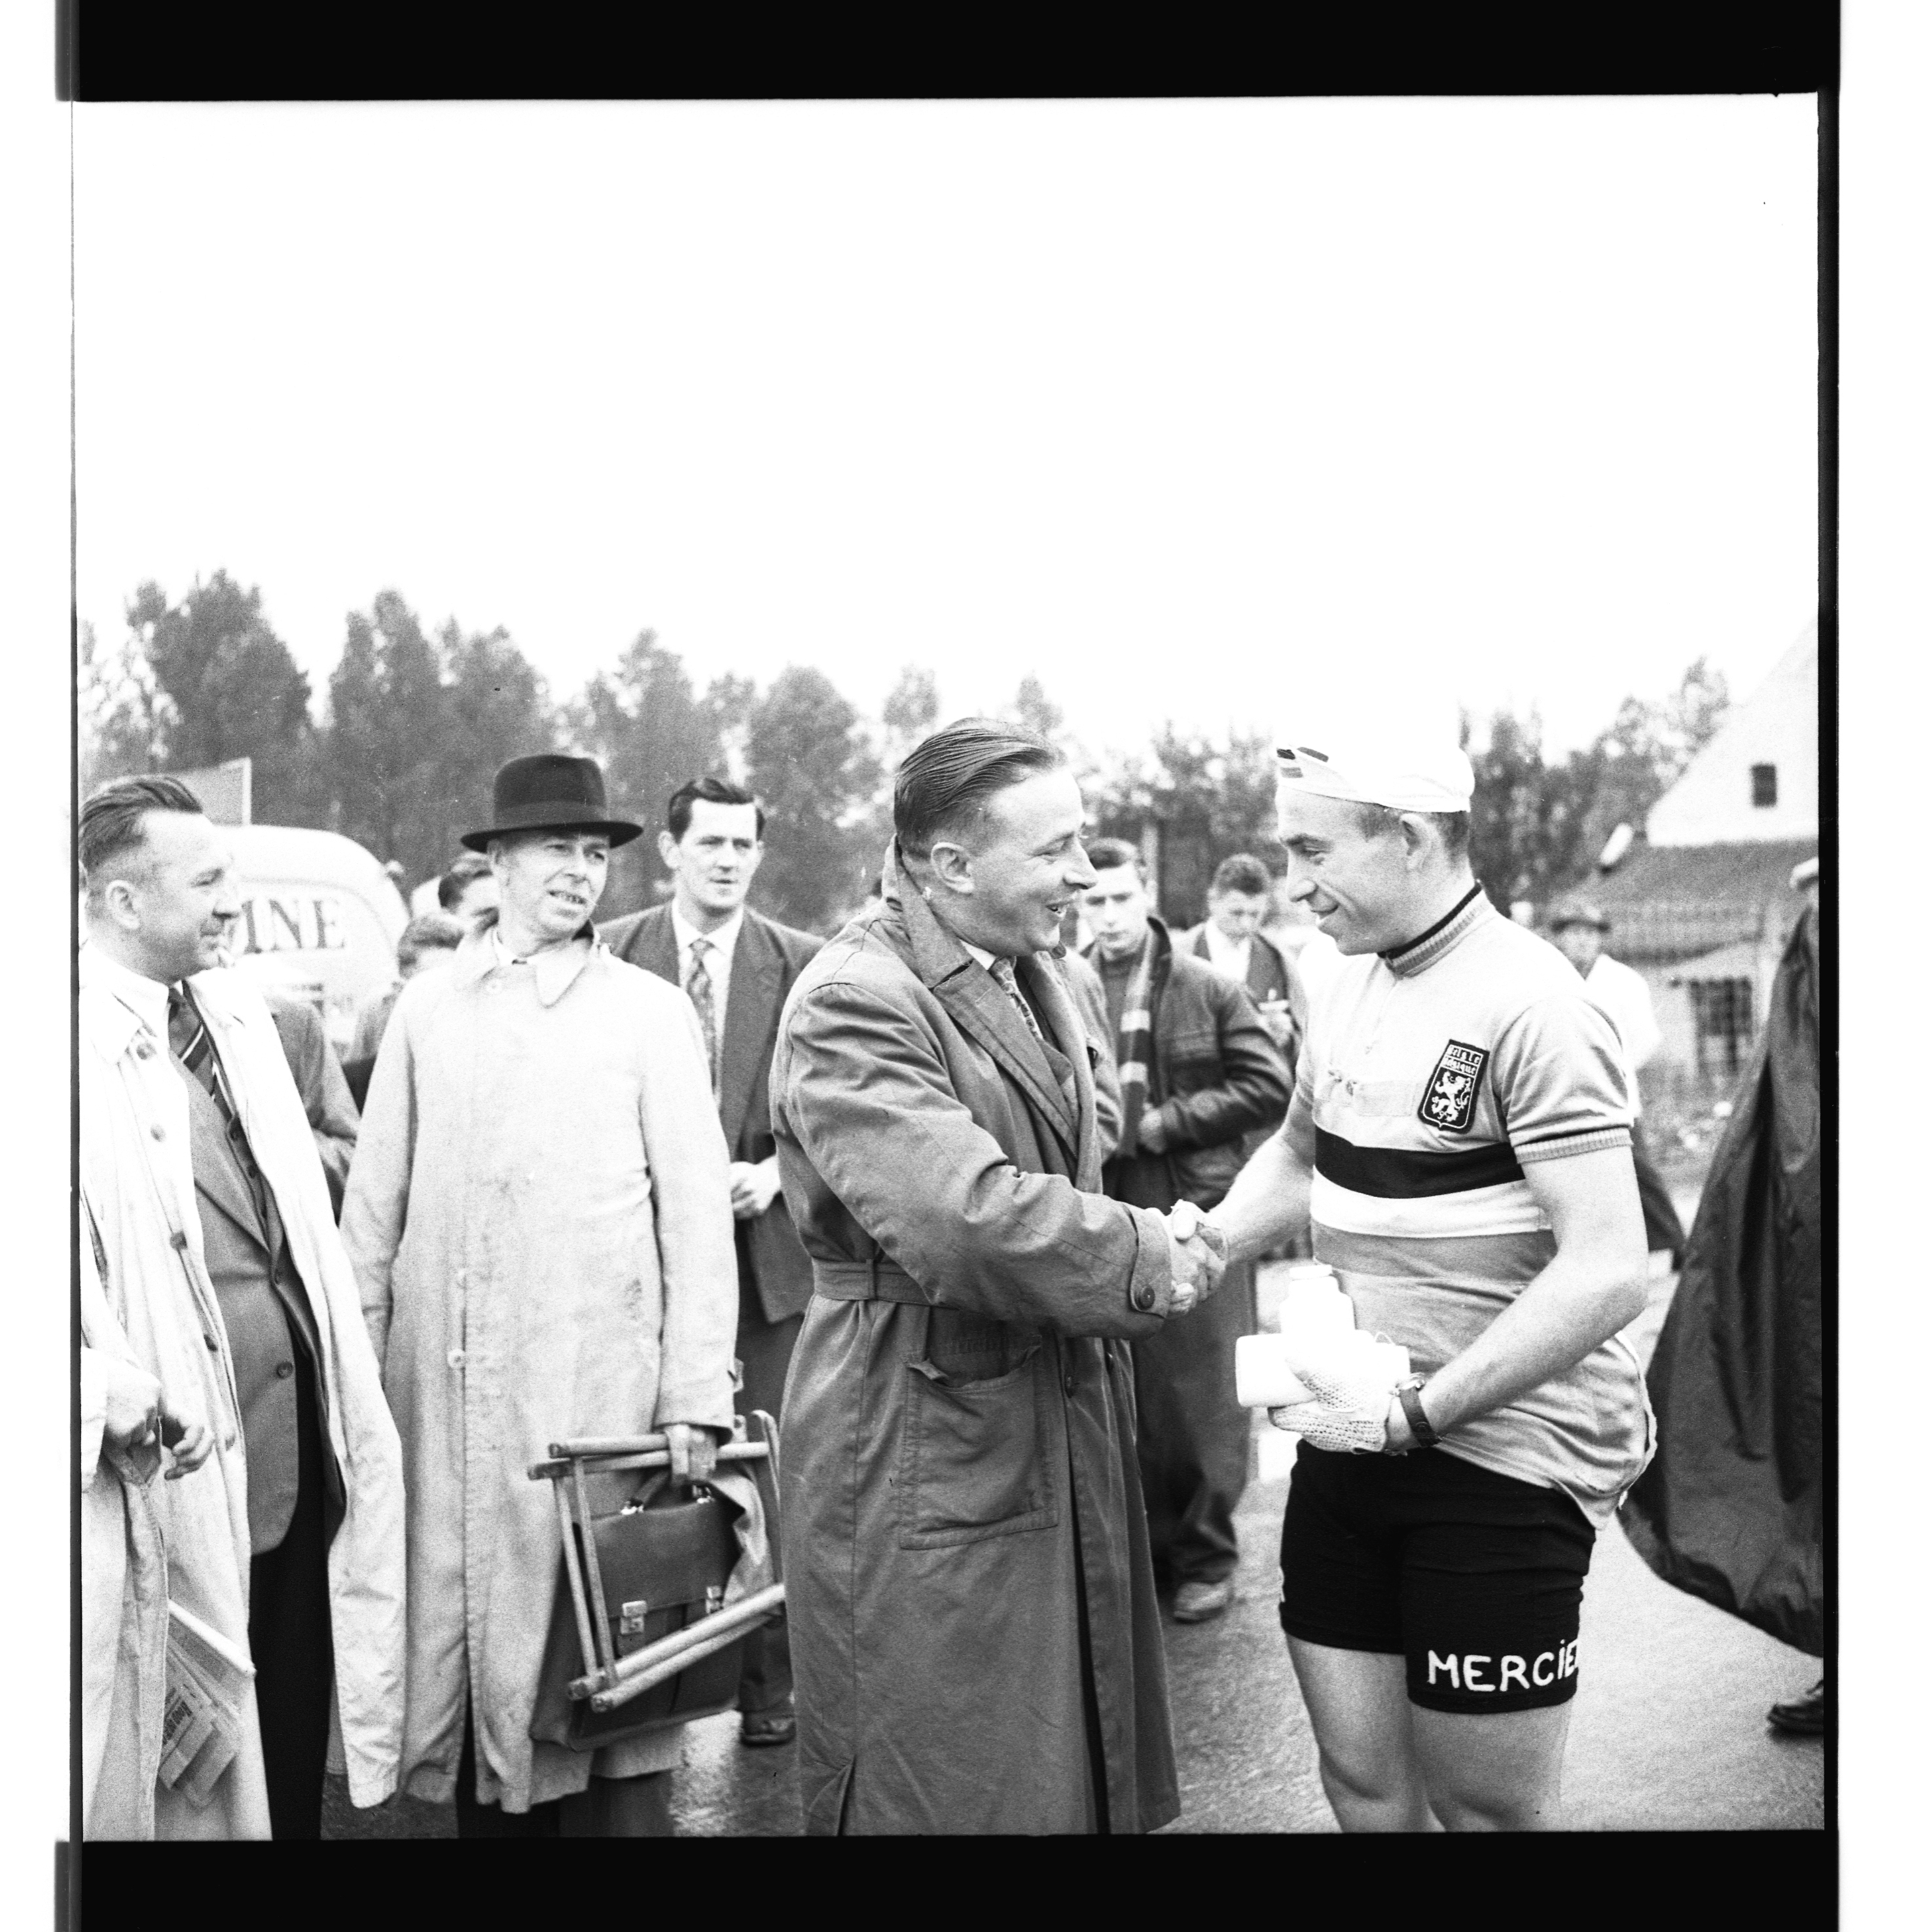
point(1448, 1102)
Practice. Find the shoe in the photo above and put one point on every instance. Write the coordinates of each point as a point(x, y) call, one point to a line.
point(1198, 1602)
point(762, 1728)
point(1804, 1716)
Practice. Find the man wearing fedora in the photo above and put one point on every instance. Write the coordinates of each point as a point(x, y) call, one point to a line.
point(1581, 932)
point(737, 966)
point(540, 1218)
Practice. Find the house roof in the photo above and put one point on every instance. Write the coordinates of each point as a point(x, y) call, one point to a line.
point(1741, 959)
point(1669, 902)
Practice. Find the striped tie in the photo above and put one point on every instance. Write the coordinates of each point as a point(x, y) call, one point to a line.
point(699, 987)
point(186, 1033)
point(1004, 972)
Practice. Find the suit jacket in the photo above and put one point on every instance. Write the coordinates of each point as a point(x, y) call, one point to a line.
point(765, 965)
point(332, 1108)
point(267, 1314)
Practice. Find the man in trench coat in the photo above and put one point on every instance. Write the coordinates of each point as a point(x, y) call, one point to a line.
point(539, 1213)
point(973, 1627)
point(218, 1285)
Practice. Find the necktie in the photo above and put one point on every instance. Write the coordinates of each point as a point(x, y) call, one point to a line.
point(186, 1032)
point(1004, 972)
point(699, 987)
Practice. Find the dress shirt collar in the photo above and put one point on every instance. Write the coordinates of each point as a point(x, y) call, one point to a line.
point(723, 937)
point(1222, 946)
point(985, 960)
point(145, 998)
point(554, 970)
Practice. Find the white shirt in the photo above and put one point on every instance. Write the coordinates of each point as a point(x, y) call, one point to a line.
point(1623, 994)
point(723, 940)
point(985, 960)
point(146, 998)
point(1230, 957)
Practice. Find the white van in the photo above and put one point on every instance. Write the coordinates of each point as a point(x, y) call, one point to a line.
point(319, 919)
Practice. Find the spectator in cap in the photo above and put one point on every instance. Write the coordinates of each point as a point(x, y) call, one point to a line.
point(1581, 931)
point(540, 1218)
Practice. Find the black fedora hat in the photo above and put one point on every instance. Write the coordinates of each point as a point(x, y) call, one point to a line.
point(548, 791)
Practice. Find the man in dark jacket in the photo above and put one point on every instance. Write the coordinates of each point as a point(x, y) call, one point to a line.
point(738, 966)
point(974, 1634)
point(331, 1110)
point(1232, 939)
point(1199, 1074)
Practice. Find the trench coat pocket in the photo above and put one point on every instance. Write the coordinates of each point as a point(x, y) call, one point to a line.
point(978, 1460)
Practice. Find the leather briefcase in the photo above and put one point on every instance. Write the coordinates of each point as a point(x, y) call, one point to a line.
point(665, 1552)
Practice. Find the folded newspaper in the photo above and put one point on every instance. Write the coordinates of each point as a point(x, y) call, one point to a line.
point(206, 1680)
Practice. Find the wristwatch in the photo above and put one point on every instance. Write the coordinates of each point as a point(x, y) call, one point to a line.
point(1408, 1394)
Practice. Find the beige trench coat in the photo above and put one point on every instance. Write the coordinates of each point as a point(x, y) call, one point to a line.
point(539, 1213)
point(157, 1304)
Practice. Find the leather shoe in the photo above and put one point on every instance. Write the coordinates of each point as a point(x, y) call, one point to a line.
point(1803, 1717)
point(761, 1728)
point(1198, 1602)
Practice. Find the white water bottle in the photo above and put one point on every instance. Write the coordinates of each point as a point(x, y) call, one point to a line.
point(1315, 1307)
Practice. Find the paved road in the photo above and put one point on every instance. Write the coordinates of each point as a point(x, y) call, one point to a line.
point(1668, 1731)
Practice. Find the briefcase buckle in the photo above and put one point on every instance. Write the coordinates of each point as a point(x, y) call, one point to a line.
point(632, 1617)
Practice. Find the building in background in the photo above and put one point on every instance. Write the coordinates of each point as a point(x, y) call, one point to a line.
point(1701, 905)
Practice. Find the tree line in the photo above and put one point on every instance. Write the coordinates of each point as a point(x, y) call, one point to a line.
point(416, 722)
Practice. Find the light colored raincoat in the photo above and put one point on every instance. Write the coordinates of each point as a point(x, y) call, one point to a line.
point(540, 1214)
point(156, 1305)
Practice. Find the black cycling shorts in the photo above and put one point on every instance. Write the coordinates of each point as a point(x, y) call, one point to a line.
point(1474, 1578)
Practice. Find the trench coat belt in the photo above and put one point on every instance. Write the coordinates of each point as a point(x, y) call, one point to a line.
point(877, 1279)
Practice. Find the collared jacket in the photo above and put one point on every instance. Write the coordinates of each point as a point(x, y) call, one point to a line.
point(965, 1549)
point(765, 965)
point(157, 1303)
point(540, 1214)
point(1220, 1081)
point(332, 1112)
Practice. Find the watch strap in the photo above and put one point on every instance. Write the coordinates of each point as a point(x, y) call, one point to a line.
point(1409, 1394)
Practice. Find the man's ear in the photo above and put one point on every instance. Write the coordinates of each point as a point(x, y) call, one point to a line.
point(950, 866)
point(1150, 894)
point(1418, 836)
point(668, 850)
point(120, 905)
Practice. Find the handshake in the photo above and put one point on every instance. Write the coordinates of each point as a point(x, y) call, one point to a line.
point(1199, 1253)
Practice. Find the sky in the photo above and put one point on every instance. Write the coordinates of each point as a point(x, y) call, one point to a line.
point(1241, 415)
